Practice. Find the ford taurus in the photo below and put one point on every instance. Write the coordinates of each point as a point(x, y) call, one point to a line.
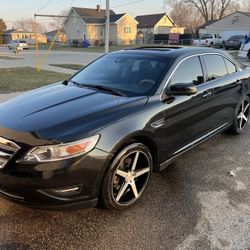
point(97, 137)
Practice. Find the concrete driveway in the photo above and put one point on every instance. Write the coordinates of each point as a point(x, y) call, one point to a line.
point(194, 204)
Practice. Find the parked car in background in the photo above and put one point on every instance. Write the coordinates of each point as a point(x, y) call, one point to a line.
point(98, 136)
point(245, 49)
point(18, 44)
point(209, 40)
point(234, 42)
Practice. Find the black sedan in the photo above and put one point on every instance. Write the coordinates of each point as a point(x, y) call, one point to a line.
point(97, 137)
point(234, 42)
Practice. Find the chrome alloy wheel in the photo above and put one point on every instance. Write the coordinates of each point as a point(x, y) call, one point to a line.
point(131, 177)
point(243, 114)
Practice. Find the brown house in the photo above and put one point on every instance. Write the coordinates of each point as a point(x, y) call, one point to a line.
point(89, 24)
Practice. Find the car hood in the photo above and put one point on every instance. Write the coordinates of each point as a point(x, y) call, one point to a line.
point(57, 111)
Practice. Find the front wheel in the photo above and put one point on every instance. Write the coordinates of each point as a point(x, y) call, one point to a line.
point(241, 116)
point(127, 178)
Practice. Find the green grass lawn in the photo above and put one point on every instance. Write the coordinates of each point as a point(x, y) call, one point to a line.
point(69, 66)
point(22, 79)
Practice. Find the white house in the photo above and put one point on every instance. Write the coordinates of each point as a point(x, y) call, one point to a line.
point(86, 23)
point(237, 23)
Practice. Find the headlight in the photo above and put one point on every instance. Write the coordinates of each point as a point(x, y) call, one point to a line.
point(61, 151)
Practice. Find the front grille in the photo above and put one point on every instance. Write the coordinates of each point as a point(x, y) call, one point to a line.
point(7, 150)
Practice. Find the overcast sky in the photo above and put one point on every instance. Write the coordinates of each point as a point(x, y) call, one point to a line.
point(10, 10)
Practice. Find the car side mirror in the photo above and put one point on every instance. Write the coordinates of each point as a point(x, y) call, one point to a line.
point(181, 89)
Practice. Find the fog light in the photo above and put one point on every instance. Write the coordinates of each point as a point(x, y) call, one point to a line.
point(67, 191)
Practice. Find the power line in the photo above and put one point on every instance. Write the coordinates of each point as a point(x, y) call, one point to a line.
point(126, 4)
point(43, 6)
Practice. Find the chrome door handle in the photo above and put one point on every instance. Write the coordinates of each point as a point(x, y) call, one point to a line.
point(207, 94)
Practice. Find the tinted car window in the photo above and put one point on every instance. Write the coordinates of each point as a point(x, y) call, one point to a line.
point(206, 36)
point(189, 71)
point(130, 73)
point(216, 67)
point(231, 68)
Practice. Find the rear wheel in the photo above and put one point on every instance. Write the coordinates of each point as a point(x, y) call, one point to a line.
point(128, 177)
point(241, 116)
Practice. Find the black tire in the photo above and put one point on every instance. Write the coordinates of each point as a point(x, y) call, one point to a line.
point(211, 45)
point(112, 195)
point(240, 124)
point(226, 48)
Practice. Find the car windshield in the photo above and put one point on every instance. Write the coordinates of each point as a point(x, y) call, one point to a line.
point(132, 75)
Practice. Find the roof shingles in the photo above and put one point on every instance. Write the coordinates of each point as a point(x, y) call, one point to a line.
point(149, 21)
point(95, 16)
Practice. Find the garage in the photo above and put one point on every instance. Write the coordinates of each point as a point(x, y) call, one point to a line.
point(237, 23)
point(228, 33)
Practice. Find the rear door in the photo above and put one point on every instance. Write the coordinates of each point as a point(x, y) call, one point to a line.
point(188, 118)
point(222, 75)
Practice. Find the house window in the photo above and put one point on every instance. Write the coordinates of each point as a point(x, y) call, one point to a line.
point(127, 30)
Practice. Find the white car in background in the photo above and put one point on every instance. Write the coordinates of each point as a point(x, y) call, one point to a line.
point(245, 49)
point(18, 45)
point(209, 40)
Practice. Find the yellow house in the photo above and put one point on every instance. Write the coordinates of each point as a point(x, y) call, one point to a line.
point(20, 34)
point(89, 24)
point(156, 24)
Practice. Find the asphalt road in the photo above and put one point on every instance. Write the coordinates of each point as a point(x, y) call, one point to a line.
point(194, 204)
point(27, 58)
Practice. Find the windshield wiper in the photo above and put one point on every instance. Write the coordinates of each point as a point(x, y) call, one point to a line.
point(100, 87)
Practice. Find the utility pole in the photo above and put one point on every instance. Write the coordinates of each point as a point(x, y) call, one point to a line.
point(37, 58)
point(107, 27)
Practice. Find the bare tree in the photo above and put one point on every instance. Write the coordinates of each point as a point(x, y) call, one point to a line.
point(58, 22)
point(2, 29)
point(245, 6)
point(210, 9)
point(178, 12)
point(30, 25)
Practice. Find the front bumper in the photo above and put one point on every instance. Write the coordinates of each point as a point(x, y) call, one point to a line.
point(35, 184)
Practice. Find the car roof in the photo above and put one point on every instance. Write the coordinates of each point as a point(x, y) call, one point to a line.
point(173, 52)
